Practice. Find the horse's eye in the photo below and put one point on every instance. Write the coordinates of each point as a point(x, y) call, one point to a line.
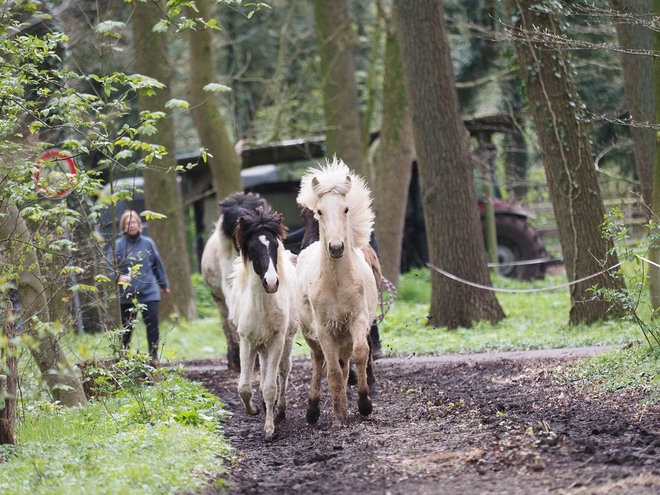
point(346, 211)
point(319, 212)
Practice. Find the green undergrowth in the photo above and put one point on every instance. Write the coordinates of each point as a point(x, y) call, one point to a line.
point(635, 366)
point(164, 438)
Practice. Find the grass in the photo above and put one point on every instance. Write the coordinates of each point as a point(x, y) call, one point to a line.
point(535, 320)
point(159, 439)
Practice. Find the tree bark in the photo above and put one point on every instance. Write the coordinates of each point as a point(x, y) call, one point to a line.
point(160, 186)
point(567, 158)
point(338, 46)
point(654, 249)
point(449, 198)
point(62, 380)
point(638, 86)
point(225, 164)
point(394, 164)
point(8, 382)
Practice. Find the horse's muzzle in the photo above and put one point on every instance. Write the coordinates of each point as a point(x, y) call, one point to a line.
point(336, 251)
point(271, 288)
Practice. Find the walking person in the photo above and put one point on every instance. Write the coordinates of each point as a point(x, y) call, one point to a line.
point(141, 278)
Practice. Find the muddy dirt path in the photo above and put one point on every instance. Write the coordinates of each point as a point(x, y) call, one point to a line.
point(471, 425)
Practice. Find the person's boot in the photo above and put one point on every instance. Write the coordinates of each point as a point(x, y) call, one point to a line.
point(377, 353)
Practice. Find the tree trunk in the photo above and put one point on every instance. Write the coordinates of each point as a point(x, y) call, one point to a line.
point(394, 165)
point(638, 86)
point(9, 379)
point(567, 158)
point(225, 164)
point(654, 249)
point(338, 46)
point(62, 380)
point(449, 198)
point(160, 186)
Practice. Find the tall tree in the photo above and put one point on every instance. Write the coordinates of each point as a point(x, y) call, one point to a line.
point(635, 38)
point(338, 46)
point(392, 171)
point(567, 157)
point(60, 377)
point(225, 163)
point(160, 189)
point(654, 251)
point(9, 378)
point(449, 198)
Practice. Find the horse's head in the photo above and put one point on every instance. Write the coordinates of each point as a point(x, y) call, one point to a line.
point(258, 235)
point(332, 213)
point(311, 228)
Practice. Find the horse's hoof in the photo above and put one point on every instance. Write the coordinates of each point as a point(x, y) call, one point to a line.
point(269, 436)
point(252, 410)
point(312, 415)
point(339, 420)
point(280, 416)
point(364, 405)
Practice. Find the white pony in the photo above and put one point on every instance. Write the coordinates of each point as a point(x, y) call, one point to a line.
point(262, 306)
point(218, 258)
point(337, 294)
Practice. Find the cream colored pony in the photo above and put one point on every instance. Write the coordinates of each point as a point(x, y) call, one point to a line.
point(337, 294)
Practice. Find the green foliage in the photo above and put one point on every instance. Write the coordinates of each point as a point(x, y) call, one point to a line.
point(111, 445)
point(206, 307)
point(632, 297)
point(635, 366)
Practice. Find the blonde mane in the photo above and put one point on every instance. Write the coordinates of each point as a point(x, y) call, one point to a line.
point(332, 178)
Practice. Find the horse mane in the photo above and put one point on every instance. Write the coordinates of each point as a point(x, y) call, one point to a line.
point(237, 205)
point(256, 222)
point(332, 177)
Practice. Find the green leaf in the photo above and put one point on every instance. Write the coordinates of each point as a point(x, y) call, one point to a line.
point(220, 88)
point(173, 103)
point(161, 27)
point(149, 215)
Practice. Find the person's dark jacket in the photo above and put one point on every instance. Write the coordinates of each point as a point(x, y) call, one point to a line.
point(148, 278)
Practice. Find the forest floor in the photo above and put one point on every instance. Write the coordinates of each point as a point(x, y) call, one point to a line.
point(484, 423)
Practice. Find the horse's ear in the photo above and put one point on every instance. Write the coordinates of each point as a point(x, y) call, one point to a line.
point(315, 183)
point(348, 183)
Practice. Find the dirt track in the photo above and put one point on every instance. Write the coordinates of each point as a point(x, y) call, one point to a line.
point(476, 424)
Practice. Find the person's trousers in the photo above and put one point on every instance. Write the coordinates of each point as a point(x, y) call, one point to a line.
point(150, 317)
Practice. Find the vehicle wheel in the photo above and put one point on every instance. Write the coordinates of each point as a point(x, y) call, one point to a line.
point(518, 241)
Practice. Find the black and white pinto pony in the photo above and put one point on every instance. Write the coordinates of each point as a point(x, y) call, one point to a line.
point(218, 258)
point(337, 294)
point(262, 306)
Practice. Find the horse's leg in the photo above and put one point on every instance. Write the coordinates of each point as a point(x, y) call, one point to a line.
point(248, 355)
point(270, 359)
point(359, 330)
point(316, 353)
point(284, 370)
point(336, 379)
point(371, 378)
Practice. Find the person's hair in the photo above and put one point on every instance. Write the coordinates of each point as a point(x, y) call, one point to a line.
point(126, 218)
